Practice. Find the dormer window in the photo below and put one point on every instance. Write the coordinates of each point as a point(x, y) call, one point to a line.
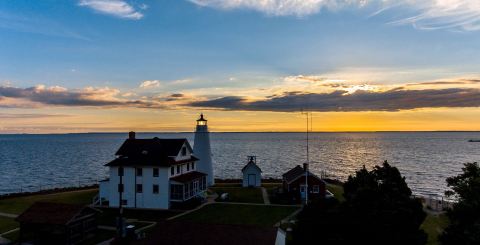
point(184, 151)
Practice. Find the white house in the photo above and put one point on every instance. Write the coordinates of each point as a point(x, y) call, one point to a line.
point(252, 174)
point(153, 173)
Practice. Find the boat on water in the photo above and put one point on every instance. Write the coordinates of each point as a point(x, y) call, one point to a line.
point(474, 141)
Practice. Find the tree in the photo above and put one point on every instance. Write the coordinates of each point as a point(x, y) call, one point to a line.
point(464, 226)
point(378, 209)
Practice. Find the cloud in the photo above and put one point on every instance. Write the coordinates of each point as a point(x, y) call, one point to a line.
point(434, 14)
point(117, 8)
point(443, 14)
point(150, 84)
point(279, 7)
point(59, 96)
point(29, 116)
point(37, 25)
point(360, 100)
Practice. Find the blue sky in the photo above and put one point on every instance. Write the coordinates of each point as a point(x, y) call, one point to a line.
point(210, 49)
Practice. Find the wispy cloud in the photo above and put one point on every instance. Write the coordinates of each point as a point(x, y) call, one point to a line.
point(117, 8)
point(29, 116)
point(150, 84)
point(280, 7)
point(37, 25)
point(434, 14)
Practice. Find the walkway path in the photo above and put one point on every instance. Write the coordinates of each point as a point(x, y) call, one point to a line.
point(266, 200)
point(7, 215)
point(210, 200)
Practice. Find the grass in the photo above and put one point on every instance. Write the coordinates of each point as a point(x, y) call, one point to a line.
point(7, 224)
point(100, 236)
point(109, 215)
point(17, 205)
point(337, 191)
point(240, 194)
point(258, 215)
point(12, 236)
point(433, 226)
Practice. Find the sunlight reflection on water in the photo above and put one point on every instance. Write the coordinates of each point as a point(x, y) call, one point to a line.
point(425, 159)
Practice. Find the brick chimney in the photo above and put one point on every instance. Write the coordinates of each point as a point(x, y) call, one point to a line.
point(305, 167)
point(131, 135)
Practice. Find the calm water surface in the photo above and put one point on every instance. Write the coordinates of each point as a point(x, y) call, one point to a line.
point(30, 162)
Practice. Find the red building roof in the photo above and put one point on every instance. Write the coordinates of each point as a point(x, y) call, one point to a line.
point(51, 213)
point(186, 233)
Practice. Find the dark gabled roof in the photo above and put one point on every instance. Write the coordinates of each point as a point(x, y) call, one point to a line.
point(51, 213)
point(295, 173)
point(251, 163)
point(148, 152)
point(184, 178)
point(161, 161)
point(155, 146)
point(188, 233)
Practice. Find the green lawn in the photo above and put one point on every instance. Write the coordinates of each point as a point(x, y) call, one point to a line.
point(433, 226)
point(228, 185)
point(7, 224)
point(240, 194)
point(17, 205)
point(337, 191)
point(265, 216)
point(109, 215)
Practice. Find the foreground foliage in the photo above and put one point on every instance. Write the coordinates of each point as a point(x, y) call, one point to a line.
point(378, 209)
point(464, 227)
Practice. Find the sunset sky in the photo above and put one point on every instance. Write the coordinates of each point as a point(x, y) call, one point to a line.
point(249, 65)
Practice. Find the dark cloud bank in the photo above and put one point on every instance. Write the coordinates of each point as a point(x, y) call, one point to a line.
point(69, 98)
point(340, 100)
point(392, 100)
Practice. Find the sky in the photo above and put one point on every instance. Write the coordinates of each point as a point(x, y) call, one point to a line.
point(248, 65)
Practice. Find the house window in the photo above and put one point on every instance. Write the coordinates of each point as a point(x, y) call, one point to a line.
point(120, 171)
point(172, 171)
point(120, 187)
point(139, 188)
point(124, 202)
point(155, 189)
point(155, 172)
point(139, 171)
point(316, 189)
point(188, 166)
point(178, 169)
point(184, 151)
point(193, 165)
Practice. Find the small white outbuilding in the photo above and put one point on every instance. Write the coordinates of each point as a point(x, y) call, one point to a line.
point(252, 174)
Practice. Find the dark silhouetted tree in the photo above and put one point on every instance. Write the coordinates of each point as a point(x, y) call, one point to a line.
point(378, 209)
point(464, 227)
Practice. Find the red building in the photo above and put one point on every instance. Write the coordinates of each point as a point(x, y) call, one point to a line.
point(294, 184)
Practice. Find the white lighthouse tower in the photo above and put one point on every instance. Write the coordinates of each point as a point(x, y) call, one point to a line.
point(201, 149)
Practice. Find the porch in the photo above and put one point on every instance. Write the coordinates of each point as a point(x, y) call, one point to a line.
point(187, 186)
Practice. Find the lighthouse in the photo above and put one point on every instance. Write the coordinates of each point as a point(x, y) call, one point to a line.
point(202, 150)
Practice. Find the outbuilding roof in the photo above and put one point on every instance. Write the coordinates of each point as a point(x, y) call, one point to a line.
point(295, 173)
point(253, 165)
point(51, 213)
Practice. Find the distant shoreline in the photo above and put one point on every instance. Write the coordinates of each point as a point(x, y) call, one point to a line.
point(247, 132)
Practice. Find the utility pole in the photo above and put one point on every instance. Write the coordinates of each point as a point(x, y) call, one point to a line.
point(309, 118)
